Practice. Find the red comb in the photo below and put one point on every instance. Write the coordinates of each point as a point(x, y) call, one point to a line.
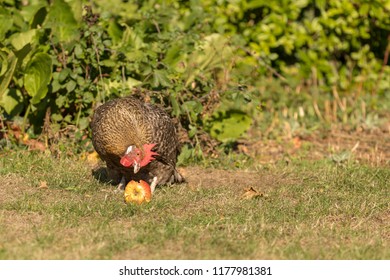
point(148, 154)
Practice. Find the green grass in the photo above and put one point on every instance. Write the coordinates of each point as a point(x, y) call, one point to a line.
point(312, 210)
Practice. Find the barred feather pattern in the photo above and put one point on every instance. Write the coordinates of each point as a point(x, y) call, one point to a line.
point(127, 121)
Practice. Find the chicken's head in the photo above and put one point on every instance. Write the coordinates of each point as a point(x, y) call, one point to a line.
point(138, 158)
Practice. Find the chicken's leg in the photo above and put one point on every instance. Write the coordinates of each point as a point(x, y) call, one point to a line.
point(122, 184)
point(153, 184)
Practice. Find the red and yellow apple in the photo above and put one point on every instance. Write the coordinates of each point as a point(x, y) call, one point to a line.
point(137, 192)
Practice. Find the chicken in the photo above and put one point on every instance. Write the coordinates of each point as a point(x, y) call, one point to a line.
point(137, 140)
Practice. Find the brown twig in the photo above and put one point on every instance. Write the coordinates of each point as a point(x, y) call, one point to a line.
point(157, 27)
point(337, 97)
point(317, 110)
point(101, 94)
point(3, 132)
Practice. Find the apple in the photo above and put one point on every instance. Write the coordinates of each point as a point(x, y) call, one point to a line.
point(137, 192)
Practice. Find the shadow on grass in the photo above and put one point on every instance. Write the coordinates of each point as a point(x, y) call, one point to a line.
point(101, 175)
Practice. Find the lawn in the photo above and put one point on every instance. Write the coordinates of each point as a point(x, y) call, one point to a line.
point(55, 208)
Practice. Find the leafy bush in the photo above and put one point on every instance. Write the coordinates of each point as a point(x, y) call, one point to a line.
point(212, 63)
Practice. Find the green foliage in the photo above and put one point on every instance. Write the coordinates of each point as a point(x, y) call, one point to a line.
point(37, 76)
point(61, 20)
point(229, 125)
point(63, 58)
point(336, 43)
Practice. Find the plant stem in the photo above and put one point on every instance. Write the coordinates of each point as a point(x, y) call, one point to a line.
point(25, 118)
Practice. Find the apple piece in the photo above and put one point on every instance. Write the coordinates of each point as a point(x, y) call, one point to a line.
point(137, 192)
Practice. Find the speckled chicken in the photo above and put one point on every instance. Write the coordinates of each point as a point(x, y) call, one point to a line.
point(137, 140)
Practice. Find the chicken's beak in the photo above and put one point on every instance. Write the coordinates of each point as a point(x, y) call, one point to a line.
point(137, 167)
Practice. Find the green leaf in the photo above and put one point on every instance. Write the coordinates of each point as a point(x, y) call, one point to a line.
point(12, 102)
point(213, 53)
point(115, 32)
point(88, 97)
point(193, 108)
point(62, 22)
point(6, 22)
point(229, 125)
point(64, 74)
point(192, 132)
point(3, 63)
point(79, 52)
point(133, 39)
point(39, 16)
point(83, 123)
point(37, 76)
point(172, 56)
point(175, 104)
point(320, 4)
point(160, 78)
point(130, 82)
point(56, 117)
point(19, 40)
point(71, 85)
point(34, 13)
point(68, 118)
point(60, 101)
point(5, 80)
point(108, 63)
point(55, 86)
point(185, 155)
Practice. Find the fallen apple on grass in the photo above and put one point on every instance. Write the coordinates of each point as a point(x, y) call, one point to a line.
point(137, 192)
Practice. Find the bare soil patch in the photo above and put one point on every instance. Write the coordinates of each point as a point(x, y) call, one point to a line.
point(198, 177)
